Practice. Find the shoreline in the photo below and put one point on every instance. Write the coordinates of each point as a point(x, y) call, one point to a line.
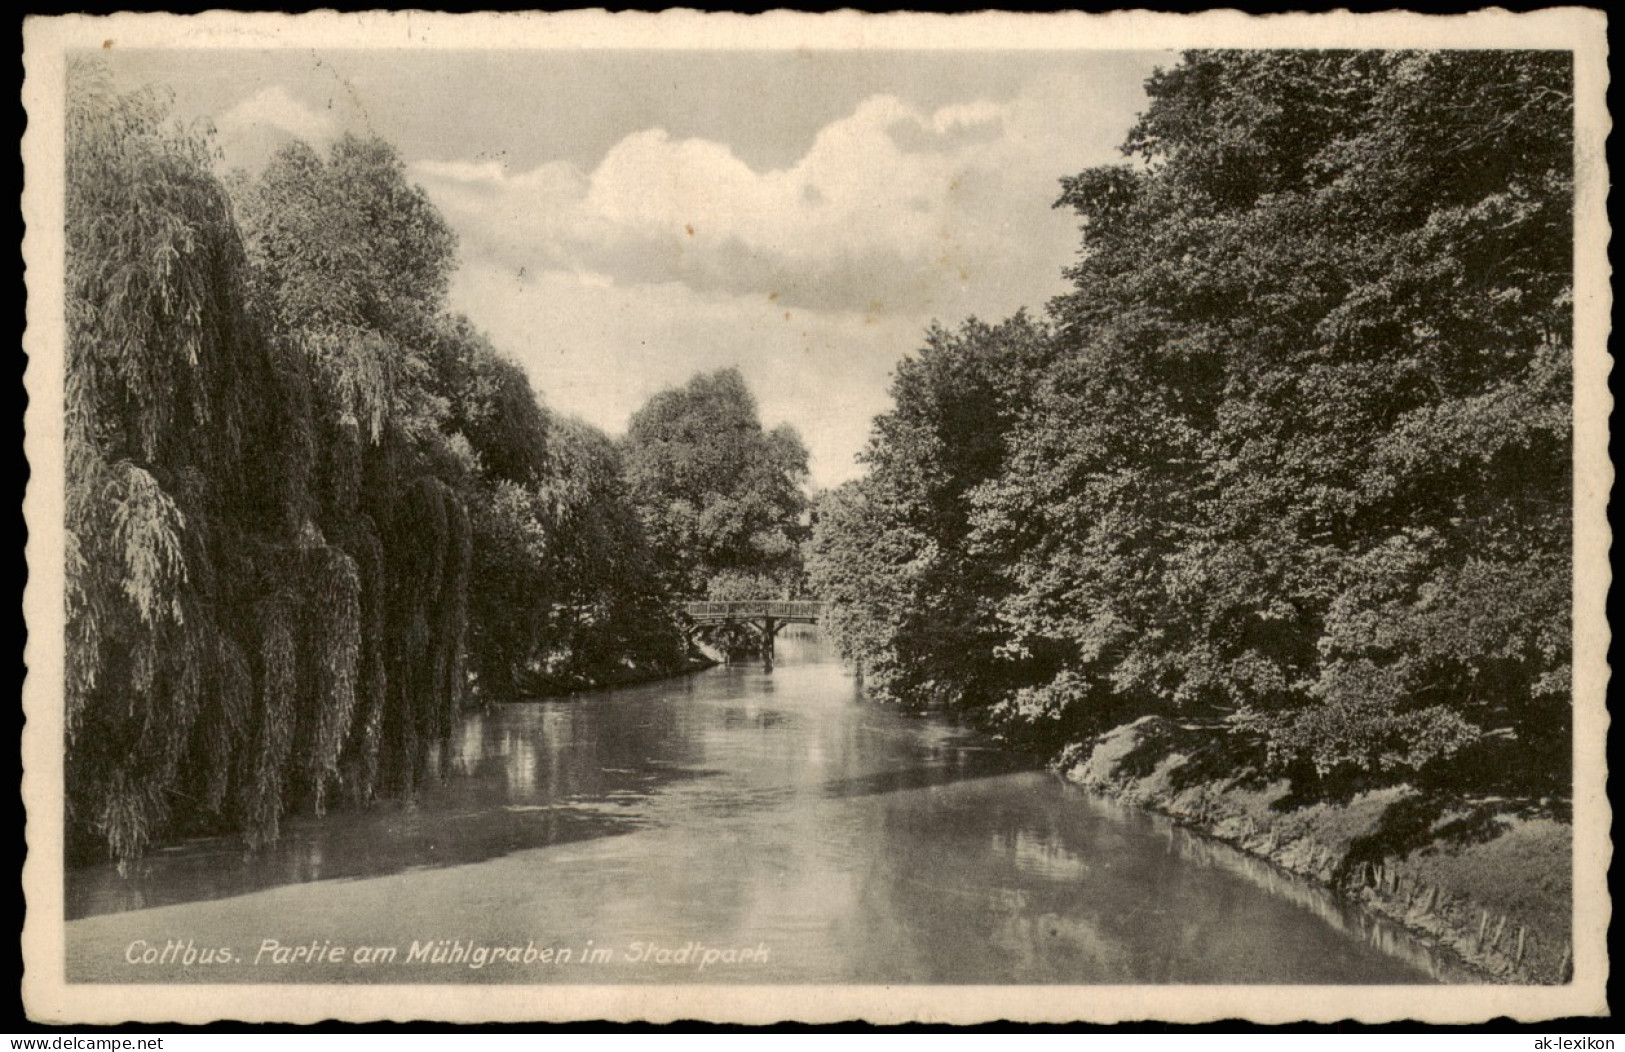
point(1511, 928)
point(545, 689)
point(541, 690)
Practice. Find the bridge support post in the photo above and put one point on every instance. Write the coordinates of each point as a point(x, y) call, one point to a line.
point(770, 631)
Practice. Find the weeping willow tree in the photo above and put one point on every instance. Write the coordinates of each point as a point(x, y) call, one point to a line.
point(292, 477)
point(212, 641)
point(349, 266)
point(266, 590)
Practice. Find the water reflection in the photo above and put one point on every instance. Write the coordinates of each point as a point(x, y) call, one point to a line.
point(742, 807)
point(520, 777)
point(1047, 883)
point(1438, 962)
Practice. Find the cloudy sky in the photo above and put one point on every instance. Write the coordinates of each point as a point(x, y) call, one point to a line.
point(629, 218)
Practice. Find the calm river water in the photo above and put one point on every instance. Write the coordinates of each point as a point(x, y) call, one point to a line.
point(731, 826)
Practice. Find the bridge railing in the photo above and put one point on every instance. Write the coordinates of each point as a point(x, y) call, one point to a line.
point(797, 608)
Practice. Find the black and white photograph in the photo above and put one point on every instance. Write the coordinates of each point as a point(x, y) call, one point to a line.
point(642, 517)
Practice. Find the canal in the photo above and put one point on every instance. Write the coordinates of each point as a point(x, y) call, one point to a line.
point(734, 826)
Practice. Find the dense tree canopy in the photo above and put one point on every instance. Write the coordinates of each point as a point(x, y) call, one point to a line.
point(721, 496)
point(912, 603)
point(311, 514)
point(1296, 459)
point(214, 636)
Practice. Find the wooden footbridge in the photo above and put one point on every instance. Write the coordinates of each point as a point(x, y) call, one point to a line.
point(762, 616)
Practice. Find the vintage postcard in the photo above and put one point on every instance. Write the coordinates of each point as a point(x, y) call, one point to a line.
point(816, 517)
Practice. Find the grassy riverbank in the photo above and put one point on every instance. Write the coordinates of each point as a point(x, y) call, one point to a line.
point(1489, 878)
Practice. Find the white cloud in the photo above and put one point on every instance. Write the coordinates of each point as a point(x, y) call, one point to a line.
point(274, 108)
point(871, 214)
point(254, 129)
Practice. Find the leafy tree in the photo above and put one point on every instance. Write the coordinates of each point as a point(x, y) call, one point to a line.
point(490, 403)
point(308, 509)
point(350, 266)
point(612, 610)
point(1305, 463)
point(1292, 459)
point(212, 644)
point(910, 601)
point(718, 494)
point(353, 263)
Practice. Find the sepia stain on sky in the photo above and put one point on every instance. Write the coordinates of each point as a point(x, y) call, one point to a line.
point(626, 219)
